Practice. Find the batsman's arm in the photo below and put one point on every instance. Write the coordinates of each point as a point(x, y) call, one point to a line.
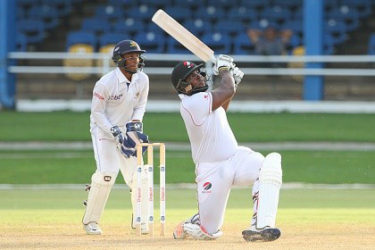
point(224, 93)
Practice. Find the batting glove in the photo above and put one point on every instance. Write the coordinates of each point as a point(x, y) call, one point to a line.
point(223, 62)
point(237, 75)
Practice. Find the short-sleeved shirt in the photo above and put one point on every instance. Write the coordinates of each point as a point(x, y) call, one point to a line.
point(116, 100)
point(210, 135)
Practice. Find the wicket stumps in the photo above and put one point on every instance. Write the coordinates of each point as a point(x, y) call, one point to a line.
point(149, 168)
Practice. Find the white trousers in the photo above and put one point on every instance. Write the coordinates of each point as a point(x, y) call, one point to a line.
point(109, 159)
point(215, 179)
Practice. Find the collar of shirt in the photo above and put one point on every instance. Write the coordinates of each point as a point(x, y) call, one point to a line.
point(122, 78)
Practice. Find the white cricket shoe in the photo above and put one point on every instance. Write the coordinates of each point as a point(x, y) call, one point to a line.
point(92, 228)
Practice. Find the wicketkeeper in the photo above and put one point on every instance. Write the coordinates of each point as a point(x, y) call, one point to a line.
point(219, 162)
point(117, 109)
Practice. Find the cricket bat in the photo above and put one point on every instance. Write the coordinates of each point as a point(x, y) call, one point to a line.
point(183, 36)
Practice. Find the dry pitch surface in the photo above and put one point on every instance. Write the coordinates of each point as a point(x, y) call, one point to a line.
point(340, 235)
point(308, 219)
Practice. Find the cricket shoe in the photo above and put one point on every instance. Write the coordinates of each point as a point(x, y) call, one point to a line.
point(179, 232)
point(266, 234)
point(92, 228)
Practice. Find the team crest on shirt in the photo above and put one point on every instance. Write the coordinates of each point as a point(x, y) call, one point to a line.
point(207, 187)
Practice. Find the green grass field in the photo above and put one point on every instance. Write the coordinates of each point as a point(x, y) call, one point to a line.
point(74, 126)
point(47, 167)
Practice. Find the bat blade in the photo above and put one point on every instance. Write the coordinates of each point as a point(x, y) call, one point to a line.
point(183, 36)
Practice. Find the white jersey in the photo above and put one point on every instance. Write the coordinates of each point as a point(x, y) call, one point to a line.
point(116, 100)
point(210, 135)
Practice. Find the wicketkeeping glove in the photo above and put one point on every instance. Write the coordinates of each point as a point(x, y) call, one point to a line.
point(117, 134)
point(134, 132)
point(223, 62)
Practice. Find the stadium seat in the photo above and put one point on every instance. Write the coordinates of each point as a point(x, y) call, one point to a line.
point(21, 13)
point(46, 13)
point(106, 49)
point(258, 5)
point(174, 47)
point(230, 27)
point(337, 29)
point(371, 45)
point(291, 5)
point(293, 42)
point(328, 44)
point(295, 26)
point(179, 13)
point(210, 13)
point(348, 15)
point(142, 12)
point(242, 14)
point(109, 12)
point(21, 42)
point(218, 42)
point(151, 41)
point(198, 26)
point(330, 5)
point(111, 38)
point(242, 45)
point(129, 26)
point(32, 29)
point(81, 37)
point(79, 48)
point(25, 5)
point(123, 4)
point(363, 7)
point(263, 24)
point(159, 4)
point(63, 7)
point(95, 25)
point(189, 4)
point(223, 4)
point(277, 14)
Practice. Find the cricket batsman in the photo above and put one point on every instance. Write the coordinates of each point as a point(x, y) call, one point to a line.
point(219, 162)
point(117, 109)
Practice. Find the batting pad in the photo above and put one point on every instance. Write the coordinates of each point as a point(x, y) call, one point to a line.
point(270, 180)
point(101, 185)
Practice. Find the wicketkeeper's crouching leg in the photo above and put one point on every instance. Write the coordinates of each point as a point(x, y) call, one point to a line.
point(101, 185)
point(191, 228)
point(266, 199)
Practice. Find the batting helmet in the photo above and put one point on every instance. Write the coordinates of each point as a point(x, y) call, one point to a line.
point(180, 72)
point(124, 47)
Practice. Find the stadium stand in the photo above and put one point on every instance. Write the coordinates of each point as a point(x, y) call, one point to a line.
point(202, 18)
point(248, 12)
